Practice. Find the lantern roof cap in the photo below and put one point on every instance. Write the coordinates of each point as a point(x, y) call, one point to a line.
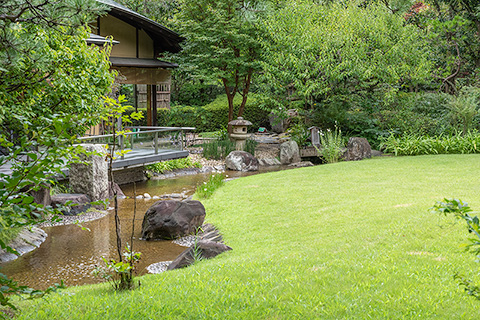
point(240, 122)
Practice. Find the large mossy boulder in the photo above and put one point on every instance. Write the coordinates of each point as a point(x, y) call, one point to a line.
point(357, 149)
point(241, 161)
point(289, 152)
point(170, 219)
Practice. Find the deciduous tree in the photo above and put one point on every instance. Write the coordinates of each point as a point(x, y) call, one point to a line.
point(221, 44)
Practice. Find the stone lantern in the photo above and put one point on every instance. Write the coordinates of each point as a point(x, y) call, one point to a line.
point(239, 132)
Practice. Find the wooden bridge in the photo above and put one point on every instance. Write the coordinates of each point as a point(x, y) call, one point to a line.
point(140, 146)
point(143, 145)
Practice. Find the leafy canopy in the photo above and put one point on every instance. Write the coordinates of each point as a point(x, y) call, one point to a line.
point(338, 49)
point(222, 44)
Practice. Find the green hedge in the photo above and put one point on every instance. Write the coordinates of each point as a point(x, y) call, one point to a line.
point(210, 117)
point(217, 112)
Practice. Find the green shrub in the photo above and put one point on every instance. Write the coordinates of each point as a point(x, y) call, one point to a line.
point(217, 112)
point(421, 113)
point(300, 134)
point(7, 232)
point(139, 122)
point(411, 144)
point(196, 94)
point(164, 166)
point(210, 117)
point(464, 109)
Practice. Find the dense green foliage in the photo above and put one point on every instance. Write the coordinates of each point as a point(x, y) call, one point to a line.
point(374, 67)
point(210, 117)
point(51, 88)
point(222, 45)
point(336, 51)
point(194, 94)
point(415, 144)
point(217, 115)
point(218, 148)
point(358, 244)
point(452, 28)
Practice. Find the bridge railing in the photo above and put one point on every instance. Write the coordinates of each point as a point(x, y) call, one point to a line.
point(144, 137)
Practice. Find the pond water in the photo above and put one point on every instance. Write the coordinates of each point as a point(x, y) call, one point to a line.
point(70, 253)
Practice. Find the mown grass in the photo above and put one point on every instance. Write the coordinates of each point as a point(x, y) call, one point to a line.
point(340, 241)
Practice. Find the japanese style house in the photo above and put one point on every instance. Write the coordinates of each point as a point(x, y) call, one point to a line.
point(138, 43)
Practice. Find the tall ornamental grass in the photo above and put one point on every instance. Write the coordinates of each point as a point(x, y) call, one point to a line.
point(332, 143)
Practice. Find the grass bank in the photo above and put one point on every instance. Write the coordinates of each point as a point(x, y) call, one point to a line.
point(348, 240)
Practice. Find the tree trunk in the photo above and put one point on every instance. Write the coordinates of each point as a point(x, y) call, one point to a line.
point(246, 88)
point(230, 96)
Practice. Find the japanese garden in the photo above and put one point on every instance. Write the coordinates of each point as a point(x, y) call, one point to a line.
point(200, 159)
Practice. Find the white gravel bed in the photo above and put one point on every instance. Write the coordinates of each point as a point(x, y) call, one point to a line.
point(84, 217)
point(158, 267)
point(186, 241)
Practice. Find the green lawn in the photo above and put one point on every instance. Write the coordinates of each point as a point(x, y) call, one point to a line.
point(350, 240)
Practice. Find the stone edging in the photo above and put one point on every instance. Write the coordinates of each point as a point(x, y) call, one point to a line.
point(27, 240)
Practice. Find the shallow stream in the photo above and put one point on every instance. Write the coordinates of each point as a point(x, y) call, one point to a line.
point(71, 253)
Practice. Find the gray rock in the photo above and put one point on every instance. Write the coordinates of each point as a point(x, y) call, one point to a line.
point(357, 149)
point(129, 175)
point(116, 187)
point(27, 240)
point(79, 203)
point(376, 153)
point(301, 164)
point(219, 168)
point(170, 219)
point(269, 162)
point(208, 232)
point(276, 123)
point(289, 152)
point(241, 161)
point(42, 196)
point(158, 267)
point(91, 178)
point(203, 249)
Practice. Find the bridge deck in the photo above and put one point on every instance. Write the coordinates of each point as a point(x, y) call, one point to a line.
point(138, 157)
point(133, 158)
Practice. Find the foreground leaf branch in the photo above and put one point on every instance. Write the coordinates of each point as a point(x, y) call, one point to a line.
point(461, 210)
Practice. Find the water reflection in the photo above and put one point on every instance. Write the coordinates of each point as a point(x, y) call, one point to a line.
point(70, 253)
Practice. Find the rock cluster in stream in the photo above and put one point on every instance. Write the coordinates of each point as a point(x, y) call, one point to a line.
point(206, 244)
